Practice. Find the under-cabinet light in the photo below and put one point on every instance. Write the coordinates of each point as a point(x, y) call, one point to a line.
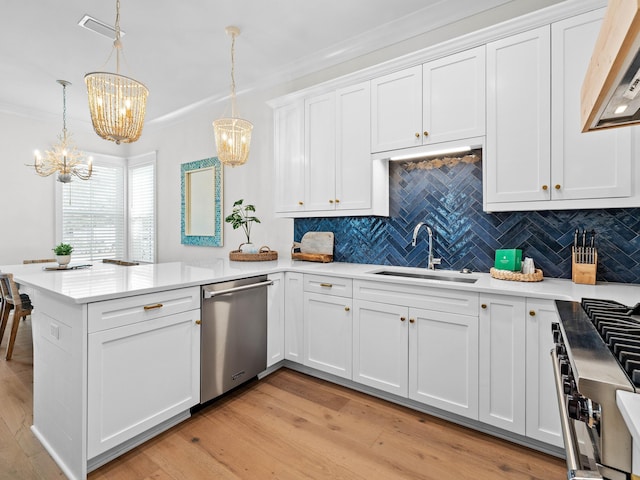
point(433, 153)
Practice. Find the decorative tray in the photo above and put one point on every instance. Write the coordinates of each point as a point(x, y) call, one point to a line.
point(265, 254)
point(516, 276)
point(67, 267)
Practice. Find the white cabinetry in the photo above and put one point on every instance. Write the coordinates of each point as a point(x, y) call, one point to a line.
point(328, 329)
point(143, 364)
point(322, 156)
point(502, 362)
point(536, 156)
point(275, 319)
point(543, 420)
point(418, 342)
point(293, 317)
point(440, 101)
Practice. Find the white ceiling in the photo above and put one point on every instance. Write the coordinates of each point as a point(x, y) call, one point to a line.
point(179, 49)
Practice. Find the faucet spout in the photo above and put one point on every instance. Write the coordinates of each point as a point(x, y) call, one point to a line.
point(432, 262)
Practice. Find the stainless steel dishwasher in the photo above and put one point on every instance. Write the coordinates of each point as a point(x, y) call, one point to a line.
point(233, 345)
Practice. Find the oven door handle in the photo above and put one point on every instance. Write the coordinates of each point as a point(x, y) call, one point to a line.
point(568, 431)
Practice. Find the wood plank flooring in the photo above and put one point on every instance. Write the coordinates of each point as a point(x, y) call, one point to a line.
point(287, 426)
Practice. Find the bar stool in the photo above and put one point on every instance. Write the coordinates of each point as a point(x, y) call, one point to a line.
point(20, 303)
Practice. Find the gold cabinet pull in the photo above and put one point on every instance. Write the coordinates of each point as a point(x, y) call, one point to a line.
point(151, 307)
point(532, 313)
point(484, 305)
point(346, 309)
point(328, 285)
point(426, 134)
point(545, 187)
point(557, 187)
point(417, 135)
point(402, 319)
point(412, 320)
point(198, 322)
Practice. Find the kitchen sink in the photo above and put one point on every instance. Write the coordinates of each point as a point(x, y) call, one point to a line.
point(432, 275)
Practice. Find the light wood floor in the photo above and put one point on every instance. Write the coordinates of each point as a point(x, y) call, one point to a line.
point(287, 426)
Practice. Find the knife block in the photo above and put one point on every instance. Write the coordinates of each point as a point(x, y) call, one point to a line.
point(584, 273)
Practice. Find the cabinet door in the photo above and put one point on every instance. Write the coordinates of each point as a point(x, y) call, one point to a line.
point(328, 333)
point(543, 420)
point(353, 143)
point(381, 346)
point(396, 110)
point(293, 317)
point(502, 362)
point(443, 361)
point(454, 97)
point(275, 319)
point(289, 157)
point(518, 147)
point(584, 165)
point(320, 152)
point(140, 375)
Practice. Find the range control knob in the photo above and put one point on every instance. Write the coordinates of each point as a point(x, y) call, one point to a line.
point(574, 408)
point(565, 367)
point(557, 336)
point(568, 386)
point(561, 350)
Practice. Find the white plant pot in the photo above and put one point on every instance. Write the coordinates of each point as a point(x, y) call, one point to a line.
point(248, 248)
point(63, 259)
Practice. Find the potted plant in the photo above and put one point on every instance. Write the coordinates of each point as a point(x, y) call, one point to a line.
point(243, 216)
point(63, 253)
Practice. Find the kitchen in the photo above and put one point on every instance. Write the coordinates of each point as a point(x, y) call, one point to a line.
point(185, 141)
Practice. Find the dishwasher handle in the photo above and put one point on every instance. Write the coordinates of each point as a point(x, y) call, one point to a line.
point(210, 294)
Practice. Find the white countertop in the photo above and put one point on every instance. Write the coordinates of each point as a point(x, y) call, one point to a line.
point(107, 281)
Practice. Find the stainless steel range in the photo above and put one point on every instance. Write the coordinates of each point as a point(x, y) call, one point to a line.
point(597, 352)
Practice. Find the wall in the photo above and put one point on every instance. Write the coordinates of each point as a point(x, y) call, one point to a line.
point(449, 199)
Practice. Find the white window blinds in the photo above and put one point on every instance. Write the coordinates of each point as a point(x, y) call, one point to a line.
point(102, 218)
point(142, 206)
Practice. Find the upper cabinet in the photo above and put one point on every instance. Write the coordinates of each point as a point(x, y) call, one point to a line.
point(440, 101)
point(536, 156)
point(323, 160)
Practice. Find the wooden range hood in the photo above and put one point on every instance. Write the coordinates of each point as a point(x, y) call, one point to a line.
point(613, 77)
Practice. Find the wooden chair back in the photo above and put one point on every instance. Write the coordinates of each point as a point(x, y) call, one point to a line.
point(39, 260)
point(12, 300)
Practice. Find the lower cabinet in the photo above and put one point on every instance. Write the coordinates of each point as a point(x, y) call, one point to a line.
point(502, 362)
point(542, 419)
point(443, 361)
point(328, 333)
point(140, 375)
point(293, 317)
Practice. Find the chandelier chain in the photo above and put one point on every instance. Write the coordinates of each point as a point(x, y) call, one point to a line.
point(117, 43)
point(233, 76)
point(64, 110)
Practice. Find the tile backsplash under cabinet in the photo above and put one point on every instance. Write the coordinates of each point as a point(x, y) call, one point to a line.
point(449, 199)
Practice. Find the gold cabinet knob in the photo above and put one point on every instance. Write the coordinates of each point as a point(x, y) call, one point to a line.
point(402, 319)
point(417, 135)
point(426, 134)
point(412, 320)
point(330, 201)
point(545, 187)
point(484, 305)
point(337, 200)
point(347, 309)
point(532, 313)
point(557, 187)
point(198, 322)
point(300, 203)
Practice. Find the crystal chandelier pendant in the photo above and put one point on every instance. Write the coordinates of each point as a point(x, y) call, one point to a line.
point(233, 135)
point(63, 157)
point(117, 103)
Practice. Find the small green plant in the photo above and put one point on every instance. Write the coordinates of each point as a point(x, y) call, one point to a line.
point(63, 249)
point(242, 216)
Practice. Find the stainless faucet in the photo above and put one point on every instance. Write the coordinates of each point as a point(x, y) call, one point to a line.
point(432, 261)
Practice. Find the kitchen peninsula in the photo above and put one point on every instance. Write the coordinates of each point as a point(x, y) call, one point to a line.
point(92, 331)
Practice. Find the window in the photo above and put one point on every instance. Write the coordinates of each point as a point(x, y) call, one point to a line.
point(112, 215)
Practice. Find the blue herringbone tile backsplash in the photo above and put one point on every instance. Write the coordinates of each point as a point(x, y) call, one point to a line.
point(449, 199)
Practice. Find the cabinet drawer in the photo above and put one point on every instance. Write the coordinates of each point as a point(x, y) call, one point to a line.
point(130, 310)
point(418, 296)
point(342, 287)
